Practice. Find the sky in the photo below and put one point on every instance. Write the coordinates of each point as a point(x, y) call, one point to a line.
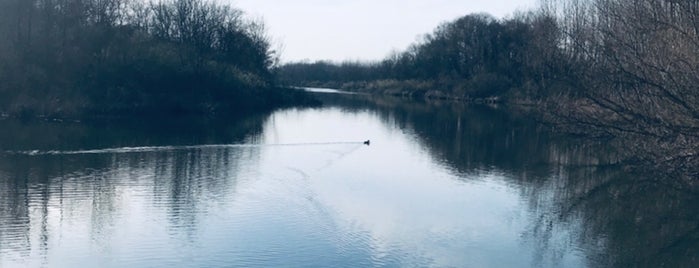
point(363, 30)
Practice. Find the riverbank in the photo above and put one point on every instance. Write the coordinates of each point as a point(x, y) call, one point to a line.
point(409, 88)
point(417, 89)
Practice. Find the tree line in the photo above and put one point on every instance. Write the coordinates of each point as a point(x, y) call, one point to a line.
point(646, 49)
point(637, 71)
point(614, 69)
point(77, 57)
point(475, 56)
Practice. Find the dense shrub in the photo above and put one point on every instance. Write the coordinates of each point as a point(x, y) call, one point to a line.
point(91, 57)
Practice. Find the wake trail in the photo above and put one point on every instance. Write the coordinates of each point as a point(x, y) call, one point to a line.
point(342, 155)
point(147, 149)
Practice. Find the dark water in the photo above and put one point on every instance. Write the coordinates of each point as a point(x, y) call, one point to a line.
point(441, 185)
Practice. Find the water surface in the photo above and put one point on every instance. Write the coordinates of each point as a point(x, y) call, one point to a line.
point(442, 185)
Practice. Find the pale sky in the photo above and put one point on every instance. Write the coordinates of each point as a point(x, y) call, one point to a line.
point(360, 29)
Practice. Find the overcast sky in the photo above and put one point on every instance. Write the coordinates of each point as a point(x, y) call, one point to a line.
point(360, 29)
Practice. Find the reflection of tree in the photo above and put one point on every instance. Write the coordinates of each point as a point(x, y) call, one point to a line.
point(191, 180)
point(44, 193)
point(14, 208)
point(472, 137)
point(23, 136)
point(579, 193)
point(643, 219)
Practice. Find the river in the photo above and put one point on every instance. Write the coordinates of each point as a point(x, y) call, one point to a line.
point(439, 185)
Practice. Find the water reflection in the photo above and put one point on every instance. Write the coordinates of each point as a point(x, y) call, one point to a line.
point(56, 205)
point(628, 220)
point(441, 185)
point(581, 200)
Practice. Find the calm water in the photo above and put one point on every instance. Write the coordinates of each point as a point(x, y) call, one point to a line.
point(441, 185)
